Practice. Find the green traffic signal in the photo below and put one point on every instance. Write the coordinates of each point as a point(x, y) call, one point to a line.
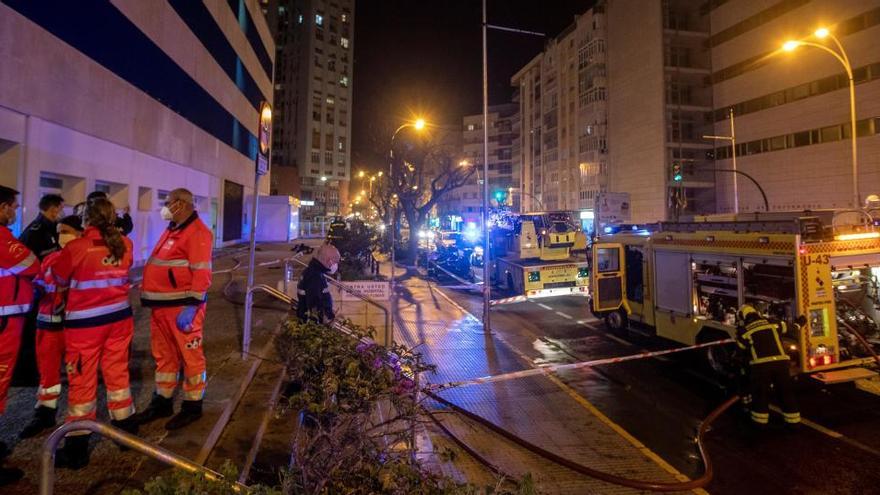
point(676, 172)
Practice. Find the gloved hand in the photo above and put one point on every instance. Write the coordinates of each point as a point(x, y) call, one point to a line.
point(185, 318)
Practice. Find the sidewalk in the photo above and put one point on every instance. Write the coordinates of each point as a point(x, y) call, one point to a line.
point(111, 470)
point(538, 408)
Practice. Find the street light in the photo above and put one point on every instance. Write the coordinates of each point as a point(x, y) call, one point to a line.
point(418, 125)
point(822, 33)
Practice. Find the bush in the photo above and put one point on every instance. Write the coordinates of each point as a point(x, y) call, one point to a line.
point(343, 445)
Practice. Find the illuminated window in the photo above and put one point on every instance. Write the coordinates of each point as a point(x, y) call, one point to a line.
point(300, 19)
point(319, 20)
point(343, 42)
point(343, 81)
point(344, 17)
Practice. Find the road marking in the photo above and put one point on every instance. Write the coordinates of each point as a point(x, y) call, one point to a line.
point(548, 308)
point(831, 433)
point(567, 317)
point(647, 452)
point(618, 339)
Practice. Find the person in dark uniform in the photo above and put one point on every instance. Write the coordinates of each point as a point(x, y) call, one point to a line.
point(760, 339)
point(123, 223)
point(314, 301)
point(41, 236)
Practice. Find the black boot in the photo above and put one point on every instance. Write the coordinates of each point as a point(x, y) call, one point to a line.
point(44, 418)
point(190, 412)
point(159, 407)
point(128, 425)
point(75, 453)
point(9, 475)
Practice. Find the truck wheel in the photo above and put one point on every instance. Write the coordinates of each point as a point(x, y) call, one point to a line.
point(720, 359)
point(616, 321)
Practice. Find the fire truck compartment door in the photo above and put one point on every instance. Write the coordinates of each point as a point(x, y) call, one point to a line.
point(673, 281)
point(608, 274)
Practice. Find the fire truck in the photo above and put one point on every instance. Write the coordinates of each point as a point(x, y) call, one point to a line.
point(539, 261)
point(685, 280)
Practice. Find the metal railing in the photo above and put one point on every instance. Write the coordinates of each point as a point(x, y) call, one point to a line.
point(248, 313)
point(47, 466)
point(389, 337)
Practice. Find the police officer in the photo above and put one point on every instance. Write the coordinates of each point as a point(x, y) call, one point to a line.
point(768, 364)
point(177, 277)
point(18, 266)
point(41, 236)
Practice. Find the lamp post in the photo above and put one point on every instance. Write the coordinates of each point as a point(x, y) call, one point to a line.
point(418, 125)
point(841, 57)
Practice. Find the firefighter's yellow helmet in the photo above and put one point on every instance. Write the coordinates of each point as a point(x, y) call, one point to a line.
point(745, 310)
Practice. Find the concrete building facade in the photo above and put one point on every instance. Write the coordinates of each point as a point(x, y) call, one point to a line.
point(563, 143)
point(135, 99)
point(791, 109)
point(313, 88)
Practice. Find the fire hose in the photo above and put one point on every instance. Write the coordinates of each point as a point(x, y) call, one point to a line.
point(656, 486)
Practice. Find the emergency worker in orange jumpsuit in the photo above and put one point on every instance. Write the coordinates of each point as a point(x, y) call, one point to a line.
point(50, 337)
point(18, 266)
point(177, 277)
point(91, 275)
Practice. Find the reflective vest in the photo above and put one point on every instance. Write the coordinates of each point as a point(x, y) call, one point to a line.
point(761, 339)
point(48, 315)
point(18, 266)
point(178, 272)
point(96, 284)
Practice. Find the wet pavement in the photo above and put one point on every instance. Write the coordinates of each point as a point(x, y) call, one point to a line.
point(660, 401)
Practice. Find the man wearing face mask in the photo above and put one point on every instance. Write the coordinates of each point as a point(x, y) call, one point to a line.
point(41, 236)
point(50, 334)
point(313, 293)
point(18, 266)
point(177, 277)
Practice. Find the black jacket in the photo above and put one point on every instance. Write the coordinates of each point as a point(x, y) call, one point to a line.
point(761, 339)
point(124, 223)
point(313, 293)
point(41, 236)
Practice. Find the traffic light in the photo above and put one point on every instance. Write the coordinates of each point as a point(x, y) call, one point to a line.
point(676, 172)
point(500, 196)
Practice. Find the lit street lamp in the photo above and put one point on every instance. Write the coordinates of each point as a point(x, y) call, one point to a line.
point(418, 125)
point(822, 33)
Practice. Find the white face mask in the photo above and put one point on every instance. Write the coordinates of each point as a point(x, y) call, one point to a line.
point(64, 238)
point(166, 214)
point(333, 268)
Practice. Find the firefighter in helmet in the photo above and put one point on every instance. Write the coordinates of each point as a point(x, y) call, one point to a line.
point(760, 339)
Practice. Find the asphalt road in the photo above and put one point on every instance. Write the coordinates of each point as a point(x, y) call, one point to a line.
point(661, 401)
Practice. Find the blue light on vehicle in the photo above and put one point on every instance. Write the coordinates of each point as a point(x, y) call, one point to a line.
point(608, 229)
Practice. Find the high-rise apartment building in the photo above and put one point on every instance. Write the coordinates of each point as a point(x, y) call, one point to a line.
point(313, 91)
point(504, 178)
point(660, 106)
point(563, 142)
point(791, 109)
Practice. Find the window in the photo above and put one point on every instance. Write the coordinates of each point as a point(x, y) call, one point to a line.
point(608, 260)
point(343, 81)
point(471, 127)
point(331, 65)
point(316, 157)
point(319, 20)
point(316, 115)
point(328, 141)
point(343, 118)
point(830, 133)
point(330, 100)
point(343, 42)
point(316, 138)
point(344, 18)
point(341, 143)
point(300, 19)
point(330, 116)
point(328, 157)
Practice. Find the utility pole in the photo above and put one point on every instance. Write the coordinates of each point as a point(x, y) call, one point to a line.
point(732, 139)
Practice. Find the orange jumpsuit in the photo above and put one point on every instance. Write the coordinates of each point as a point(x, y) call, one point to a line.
point(178, 274)
point(50, 337)
point(18, 266)
point(98, 324)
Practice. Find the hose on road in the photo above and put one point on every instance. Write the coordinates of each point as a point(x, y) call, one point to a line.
point(655, 486)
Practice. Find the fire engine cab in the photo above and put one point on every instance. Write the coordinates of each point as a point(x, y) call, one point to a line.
point(685, 280)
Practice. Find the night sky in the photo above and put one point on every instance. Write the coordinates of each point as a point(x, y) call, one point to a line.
point(414, 57)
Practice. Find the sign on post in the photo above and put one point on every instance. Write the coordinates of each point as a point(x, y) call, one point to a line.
point(376, 290)
point(265, 133)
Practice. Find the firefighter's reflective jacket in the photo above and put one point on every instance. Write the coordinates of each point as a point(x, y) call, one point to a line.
point(762, 340)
